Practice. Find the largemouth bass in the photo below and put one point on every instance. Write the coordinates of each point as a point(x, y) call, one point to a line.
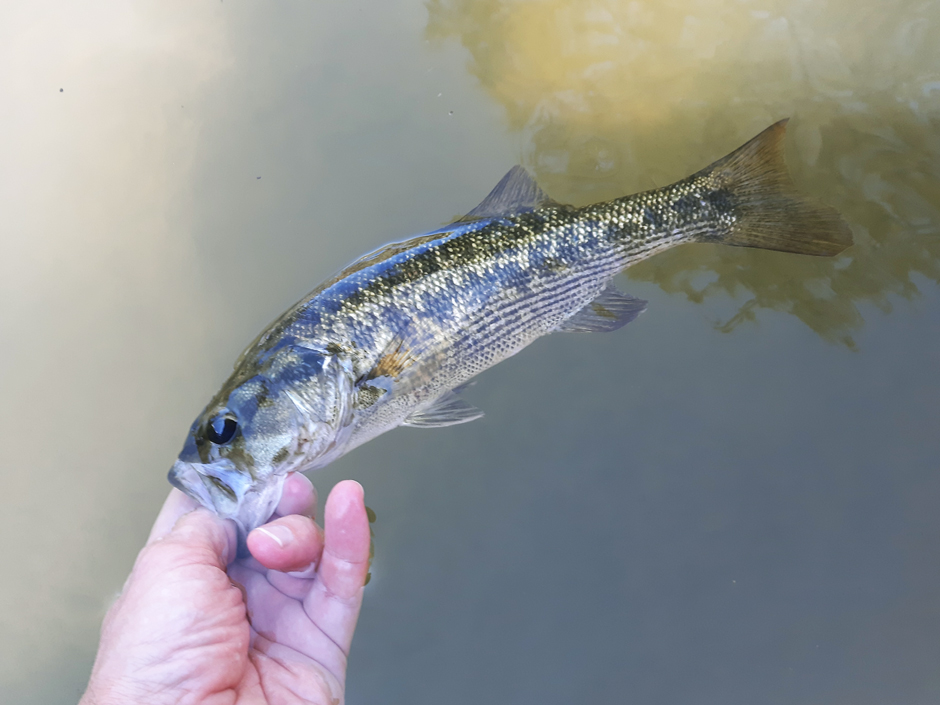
point(390, 340)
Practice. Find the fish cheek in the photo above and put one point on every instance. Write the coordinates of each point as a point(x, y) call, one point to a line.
point(204, 449)
point(242, 458)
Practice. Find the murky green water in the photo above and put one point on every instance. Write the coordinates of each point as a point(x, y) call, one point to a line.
point(733, 500)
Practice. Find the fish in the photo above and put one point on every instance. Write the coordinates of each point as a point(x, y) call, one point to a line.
point(394, 338)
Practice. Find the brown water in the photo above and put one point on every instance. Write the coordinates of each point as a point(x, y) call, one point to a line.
point(733, 500)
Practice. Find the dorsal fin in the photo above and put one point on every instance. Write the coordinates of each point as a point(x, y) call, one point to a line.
point(515, 193)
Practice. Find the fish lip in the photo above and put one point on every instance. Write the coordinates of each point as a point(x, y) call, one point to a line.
point(184, 477)
point(213, 485)
point(228, 492)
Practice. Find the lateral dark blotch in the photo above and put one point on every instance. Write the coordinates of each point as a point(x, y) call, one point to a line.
point(472, 248)
point(686, 204)
point(721, 200)
point(651, 217)
point(367, 396)
point(553, 264)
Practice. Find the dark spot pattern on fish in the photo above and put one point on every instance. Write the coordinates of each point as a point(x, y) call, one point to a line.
point(496, 238)
point(721, 200)
point(203, 446)
point(553, 264)
point(504, 255)
point(652, 218)
point(223, 488)
point(687, 205)
point(239, 454)
point(367, 396)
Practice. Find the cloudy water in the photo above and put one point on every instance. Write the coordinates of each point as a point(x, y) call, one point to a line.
point(731, 500)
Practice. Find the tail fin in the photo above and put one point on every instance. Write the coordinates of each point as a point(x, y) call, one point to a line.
point(771, 214)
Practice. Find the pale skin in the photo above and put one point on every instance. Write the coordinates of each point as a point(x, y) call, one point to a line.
point(192, 625)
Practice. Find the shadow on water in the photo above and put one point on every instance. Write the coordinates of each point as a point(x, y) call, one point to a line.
point(618, 97)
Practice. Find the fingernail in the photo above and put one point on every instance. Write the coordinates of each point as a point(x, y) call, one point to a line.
point(306, 573)
point(281, 534)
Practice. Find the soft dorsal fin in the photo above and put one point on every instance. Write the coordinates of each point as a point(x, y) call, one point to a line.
point(515, 193)
point(447, 410)
point(611, 310)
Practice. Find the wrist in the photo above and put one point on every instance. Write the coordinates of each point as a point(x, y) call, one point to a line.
point(96, 695)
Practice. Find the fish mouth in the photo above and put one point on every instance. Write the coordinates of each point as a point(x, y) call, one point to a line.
point(211, 485)
point(228, 492)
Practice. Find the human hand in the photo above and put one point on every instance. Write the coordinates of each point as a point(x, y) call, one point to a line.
point(194, 626)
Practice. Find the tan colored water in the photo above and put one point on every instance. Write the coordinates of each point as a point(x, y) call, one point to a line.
point(731, 500)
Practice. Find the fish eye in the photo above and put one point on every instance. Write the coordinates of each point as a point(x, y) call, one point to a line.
point(221, 429)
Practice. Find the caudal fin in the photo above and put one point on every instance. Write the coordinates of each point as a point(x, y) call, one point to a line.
point(770, 212)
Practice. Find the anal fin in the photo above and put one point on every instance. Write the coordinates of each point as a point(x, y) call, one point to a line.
point(447, 410)
point(611, 310)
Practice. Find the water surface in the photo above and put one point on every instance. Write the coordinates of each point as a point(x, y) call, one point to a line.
point(732, 500)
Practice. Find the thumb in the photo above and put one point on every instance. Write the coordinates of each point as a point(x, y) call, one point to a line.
point(176, 505)
point(197, 537)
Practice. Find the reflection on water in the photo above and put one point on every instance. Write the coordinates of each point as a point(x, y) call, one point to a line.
point(617, 97)
point(740, 533)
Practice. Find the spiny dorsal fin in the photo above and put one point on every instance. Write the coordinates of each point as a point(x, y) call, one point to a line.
point(380, 255)
point(515, 193)
point(447, 410)
point(611, 310)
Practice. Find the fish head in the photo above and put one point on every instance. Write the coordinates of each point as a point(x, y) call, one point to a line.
point(280, 414)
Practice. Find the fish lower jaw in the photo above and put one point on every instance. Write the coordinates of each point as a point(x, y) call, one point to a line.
point(229, 493)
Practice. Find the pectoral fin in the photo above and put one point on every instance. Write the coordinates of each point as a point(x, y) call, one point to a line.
point(611, 310)
point(447, 410)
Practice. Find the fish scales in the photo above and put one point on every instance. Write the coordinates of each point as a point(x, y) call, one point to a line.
point(486, 273)
point(391, 339)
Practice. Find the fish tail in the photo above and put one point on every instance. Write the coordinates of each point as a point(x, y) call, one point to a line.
point(769, 212)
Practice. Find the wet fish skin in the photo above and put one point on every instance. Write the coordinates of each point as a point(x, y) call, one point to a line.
point(388, 340)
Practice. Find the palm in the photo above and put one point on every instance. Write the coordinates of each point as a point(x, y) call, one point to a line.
point(193, 632)
point(293, 652)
